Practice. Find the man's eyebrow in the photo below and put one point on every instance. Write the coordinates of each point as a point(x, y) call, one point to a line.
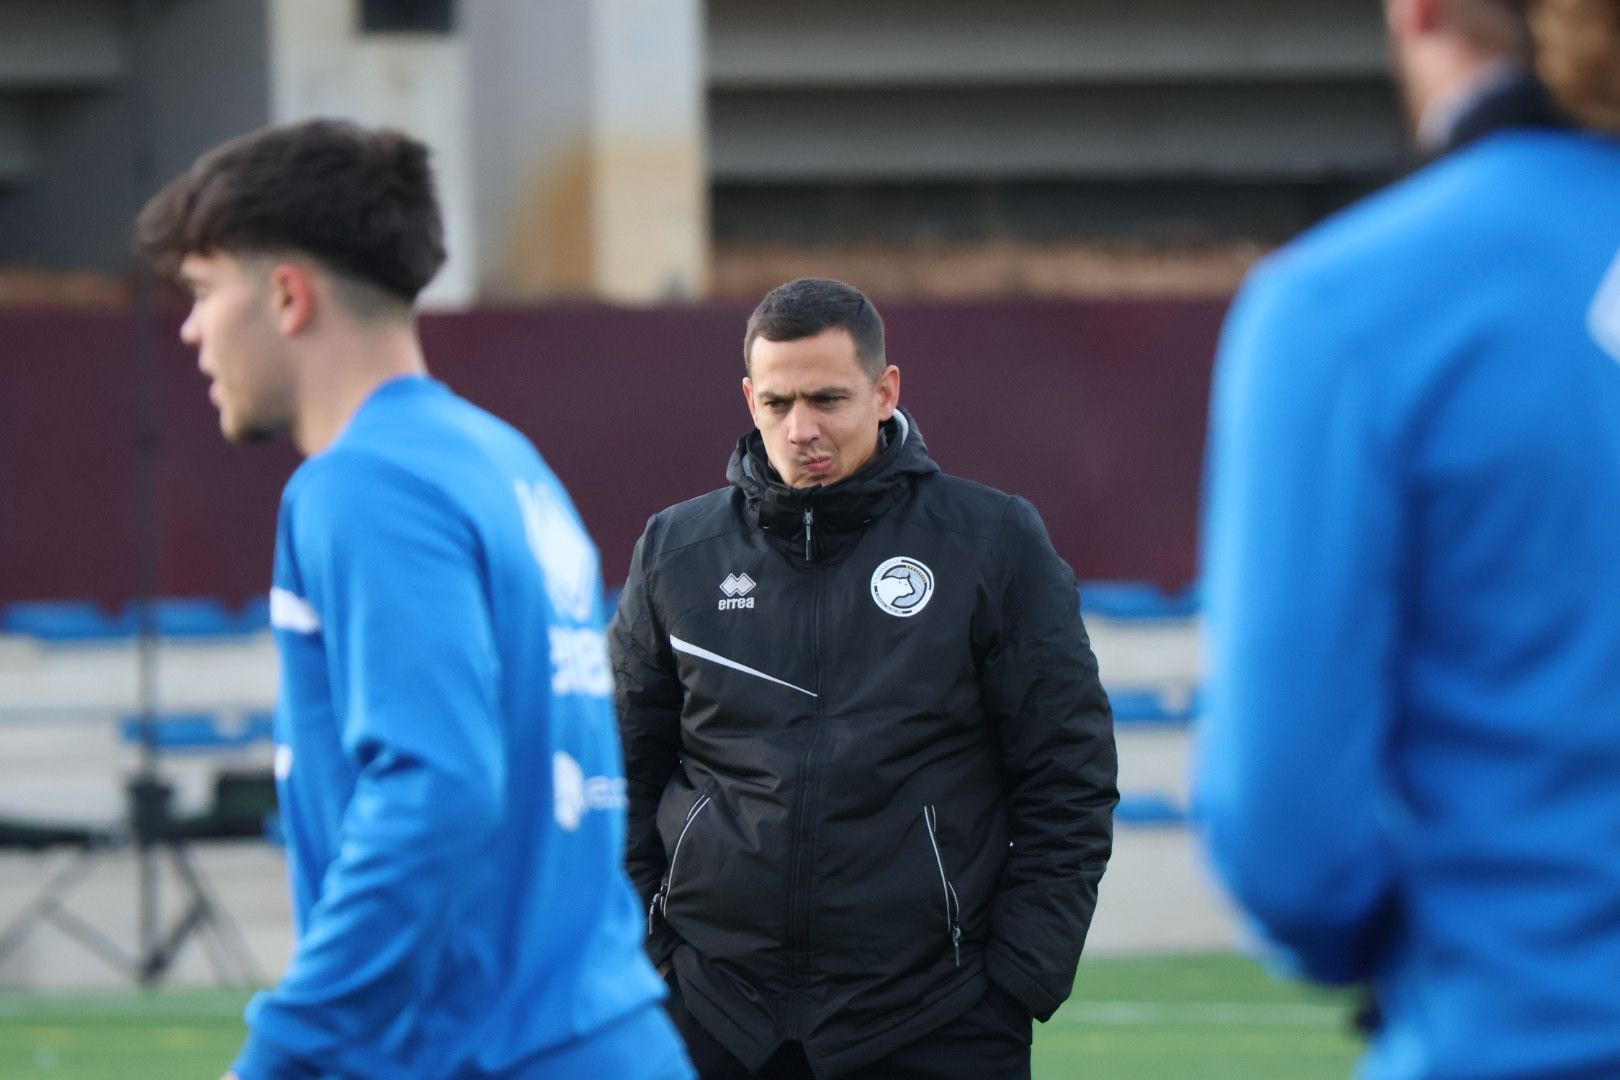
point(825, 393)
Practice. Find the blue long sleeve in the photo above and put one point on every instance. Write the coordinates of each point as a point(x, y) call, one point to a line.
point(413, 673)
point(1302, 563)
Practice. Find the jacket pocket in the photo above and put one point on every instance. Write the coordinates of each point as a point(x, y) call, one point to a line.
point(951, 906)
point(660, 900)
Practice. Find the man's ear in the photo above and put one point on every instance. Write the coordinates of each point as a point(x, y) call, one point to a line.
point(748, 395)
point(888, 390)
point(1410, 19)
point(293, 296)
point(1430, 14)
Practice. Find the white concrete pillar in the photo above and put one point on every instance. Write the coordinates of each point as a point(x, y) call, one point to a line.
point(589, 129)
point(568, 135)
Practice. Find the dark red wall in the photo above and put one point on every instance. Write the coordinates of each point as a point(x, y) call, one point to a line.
point(1095, 411)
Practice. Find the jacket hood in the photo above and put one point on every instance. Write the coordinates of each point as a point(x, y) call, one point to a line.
point(838, 510)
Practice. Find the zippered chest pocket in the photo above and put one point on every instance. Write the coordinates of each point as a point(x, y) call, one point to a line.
point(660, 900)
point(949, 904)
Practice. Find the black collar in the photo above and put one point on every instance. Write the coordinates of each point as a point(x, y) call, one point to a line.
point(819, 523)
point(1518, 101)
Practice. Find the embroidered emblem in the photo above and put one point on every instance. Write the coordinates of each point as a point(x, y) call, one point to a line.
point(902, 586)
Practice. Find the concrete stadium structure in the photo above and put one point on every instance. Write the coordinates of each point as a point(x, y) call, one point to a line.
point(609, 148)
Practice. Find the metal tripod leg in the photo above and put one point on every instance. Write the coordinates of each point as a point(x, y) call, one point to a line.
point(48, 907)
point(203, 915)
point(229, 956)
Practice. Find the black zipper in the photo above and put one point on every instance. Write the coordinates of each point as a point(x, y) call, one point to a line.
point(660, 900)
point(809, 522)
point(800, 843)
point(953, 907)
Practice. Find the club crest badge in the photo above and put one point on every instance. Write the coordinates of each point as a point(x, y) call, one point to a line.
point(902, 586)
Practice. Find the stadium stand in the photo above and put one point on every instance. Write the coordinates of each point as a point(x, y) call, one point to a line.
point(198, 732)
point(1135, 708)
point(62, 620)
point(84, 621)
point(1132, 600)
point(69, 734)
point(1150, 811)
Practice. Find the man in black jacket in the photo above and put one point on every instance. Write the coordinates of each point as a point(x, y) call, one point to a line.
point(871, 768)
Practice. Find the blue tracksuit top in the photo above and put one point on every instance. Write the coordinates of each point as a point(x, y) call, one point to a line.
point(1410, 767)
point(449, 769)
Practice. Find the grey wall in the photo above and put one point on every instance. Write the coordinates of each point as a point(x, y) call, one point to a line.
point(193, 72)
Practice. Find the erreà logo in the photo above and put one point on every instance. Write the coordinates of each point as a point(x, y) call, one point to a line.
point(902, 586)
point(737, 587)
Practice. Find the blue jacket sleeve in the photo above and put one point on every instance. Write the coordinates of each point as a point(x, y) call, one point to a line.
point(393, 569)
point(1303, 541)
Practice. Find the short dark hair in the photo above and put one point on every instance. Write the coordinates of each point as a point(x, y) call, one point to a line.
point(807, 306)
point(360, 201)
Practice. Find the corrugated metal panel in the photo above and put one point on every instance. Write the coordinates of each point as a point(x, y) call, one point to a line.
point(1161, 114)
point(1318, 129)
point(66, 44)
point(970, 42)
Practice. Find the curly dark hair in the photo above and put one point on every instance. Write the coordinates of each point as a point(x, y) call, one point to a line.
point(360, 201)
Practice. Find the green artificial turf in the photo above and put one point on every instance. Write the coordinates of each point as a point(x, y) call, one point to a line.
point(159, 1035)
point(1214, 1017)
point(1173, 1018)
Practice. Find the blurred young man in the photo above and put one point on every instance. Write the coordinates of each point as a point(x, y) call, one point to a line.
point(446, 754)
point(1410, 772)
point(871, 767)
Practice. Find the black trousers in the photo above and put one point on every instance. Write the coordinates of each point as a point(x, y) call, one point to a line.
point(989, 1042)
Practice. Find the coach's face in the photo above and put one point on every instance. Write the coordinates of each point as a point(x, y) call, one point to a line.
point(816, 407)
point(232, 326)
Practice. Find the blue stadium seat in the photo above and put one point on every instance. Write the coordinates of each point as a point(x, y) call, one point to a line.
point(255, 615)
point(186, 617)
point(1145, 707)
point(1136, 600)
point(198, 732)
point(1156, 811)
point(63, 620)
point(172, 617)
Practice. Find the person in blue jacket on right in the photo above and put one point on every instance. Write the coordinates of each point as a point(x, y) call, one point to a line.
point(1409, 773)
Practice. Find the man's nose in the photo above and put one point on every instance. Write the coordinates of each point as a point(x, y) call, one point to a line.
point(188, 330)
point(802, 426)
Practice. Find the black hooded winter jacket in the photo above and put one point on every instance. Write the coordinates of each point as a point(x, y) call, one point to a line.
point(868, 757)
